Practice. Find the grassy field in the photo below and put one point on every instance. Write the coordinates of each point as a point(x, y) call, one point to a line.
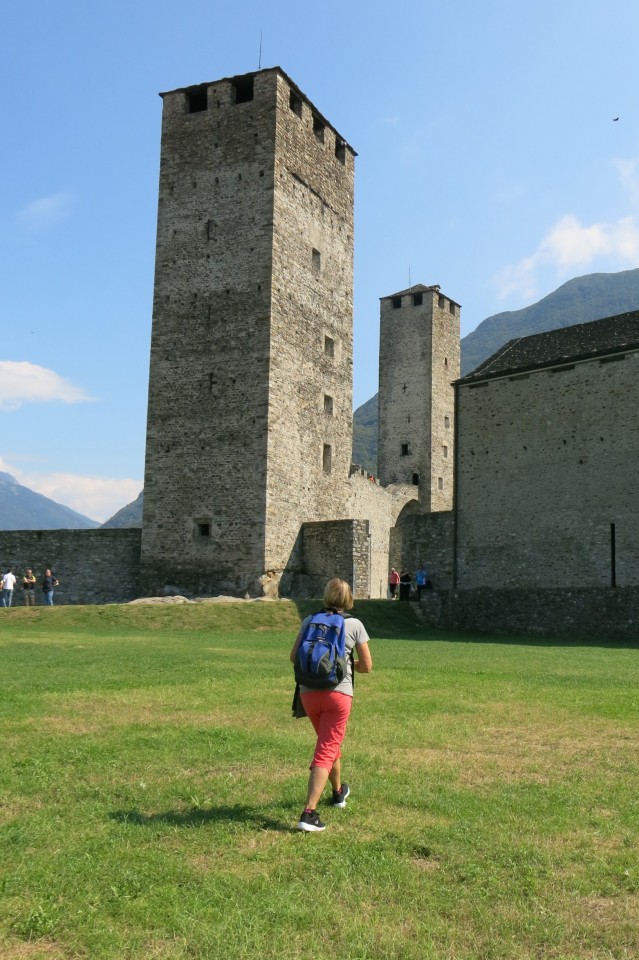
point(151, 777)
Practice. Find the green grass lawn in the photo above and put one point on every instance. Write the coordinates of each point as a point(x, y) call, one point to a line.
point(151, 777)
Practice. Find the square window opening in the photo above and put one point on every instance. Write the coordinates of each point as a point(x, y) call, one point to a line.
point(318, 129)
point(202, 529)
point(329, 346)
point(295, 103)
point(396, 302)
point(327, 458)
point(243, 90)
point(197, 100)
point(328, 405)
point(405, 449)
point(418, 299)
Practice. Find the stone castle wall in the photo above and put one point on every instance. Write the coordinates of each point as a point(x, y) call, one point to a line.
point(380, 507)
point(427, 539)
point(334, 548)
point(93, 566)
point(203, 509)
point(543, 492)
point(311, 347)
point(594, 614)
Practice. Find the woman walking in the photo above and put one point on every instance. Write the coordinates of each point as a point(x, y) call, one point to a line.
point(328, 710)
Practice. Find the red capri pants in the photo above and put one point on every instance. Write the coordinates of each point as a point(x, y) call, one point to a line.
point(328, 711)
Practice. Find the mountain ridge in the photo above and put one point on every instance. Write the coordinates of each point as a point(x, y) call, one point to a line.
point(24, 509)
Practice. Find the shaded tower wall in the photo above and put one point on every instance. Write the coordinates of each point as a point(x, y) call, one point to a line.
point(311, 362)
point(418, 360)
point(236, 424)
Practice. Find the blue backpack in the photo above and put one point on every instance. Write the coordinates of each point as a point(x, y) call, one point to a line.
point(320, 662)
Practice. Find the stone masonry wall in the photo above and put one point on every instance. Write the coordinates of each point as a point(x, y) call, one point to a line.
point(93, 566)
point(428, 539)
point(334, 548)
point(310, 386)
point(418, 361)
point(544, 467)
point(380, 507)
point(253, 273)
point(207, 428)
point(589, 614)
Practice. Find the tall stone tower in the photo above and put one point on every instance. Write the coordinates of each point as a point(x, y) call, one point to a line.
point(250, 396)
point(418, 360)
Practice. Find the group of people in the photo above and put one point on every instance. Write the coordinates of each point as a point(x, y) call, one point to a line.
point(8, 581)
point(404, 581)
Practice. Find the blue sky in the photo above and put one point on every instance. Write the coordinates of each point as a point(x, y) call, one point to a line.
point(489, 162)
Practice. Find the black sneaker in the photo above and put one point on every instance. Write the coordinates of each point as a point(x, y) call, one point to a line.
point(339, 796)
point(310, 822)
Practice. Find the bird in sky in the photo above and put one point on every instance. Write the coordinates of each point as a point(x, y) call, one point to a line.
point(614, 119)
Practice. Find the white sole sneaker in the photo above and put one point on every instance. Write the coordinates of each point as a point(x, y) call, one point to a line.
point(342, 803)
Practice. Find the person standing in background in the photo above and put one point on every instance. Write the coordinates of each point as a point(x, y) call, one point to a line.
point(28, 588)
point(393, 580)
point(404, 585)
point(8, 583)
point(421, 576)
point(48, 583)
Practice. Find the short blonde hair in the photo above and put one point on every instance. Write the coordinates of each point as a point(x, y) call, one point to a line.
point(338, 594)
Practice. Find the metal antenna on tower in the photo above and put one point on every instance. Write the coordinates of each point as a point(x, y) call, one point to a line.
point(409, 283)
point(259, 62)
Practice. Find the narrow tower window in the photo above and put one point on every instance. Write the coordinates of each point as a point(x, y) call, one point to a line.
point(445, 449)
point(327, 458)
point(196, 101)
point(317, 260)
point(328, 405)
point(447, 422)
point(340, 150)
point(441, 301)
point(329, 346)
point(440, 483)
point(405, 449)
point(243, 90)
point(295, 103)
point(415, 479)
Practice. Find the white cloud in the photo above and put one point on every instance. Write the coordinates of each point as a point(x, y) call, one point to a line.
point(628, 172)
point(95, 497)
point(24, 382)
point(45, 212)
point(569, 246)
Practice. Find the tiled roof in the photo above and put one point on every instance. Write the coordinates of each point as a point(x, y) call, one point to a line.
point(578, 342)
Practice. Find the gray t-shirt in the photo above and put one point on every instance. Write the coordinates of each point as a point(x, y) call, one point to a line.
point(355, 634)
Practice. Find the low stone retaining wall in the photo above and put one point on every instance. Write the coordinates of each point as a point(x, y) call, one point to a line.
point(586, 614)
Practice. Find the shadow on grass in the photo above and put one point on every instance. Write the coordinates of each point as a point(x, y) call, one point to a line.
point(197, 817)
